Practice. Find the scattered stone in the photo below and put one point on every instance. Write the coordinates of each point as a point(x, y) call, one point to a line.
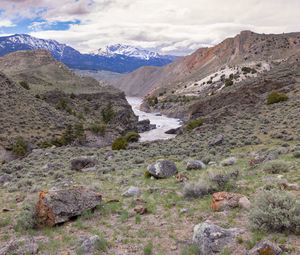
point(144, 126)
point(217, 141)
point(225, 200)
point(89, 245)
point(21, 246)
point(141, 210)
point(195, 165)
point(109, 155)
point(52, 166)
point(58, 206)
point(162, 169)
point(285, 185)
point(210, 238)
point(229, 161)
point(5, 178)
point(83, 162)
point(265, 247)
point(173, 131)
point(132, 192)
point(181, 177)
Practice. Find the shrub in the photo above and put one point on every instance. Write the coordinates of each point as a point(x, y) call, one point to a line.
point(247, 70)
point(25, 85)
point(296, 154)
point(132, 137)
point(148, 249)
point(98, 128)
point(62, 104)
point(228, 82)
point(79, 132)
point(152, 101)
point(223, 180)
point(108, 113)
point(20, 147)
point(192, 124)
point(119, 144)
point(276, 211)
point(276, 167)
point(197, 190)
point(190, 250)
point(26, 220)
point(276, 97)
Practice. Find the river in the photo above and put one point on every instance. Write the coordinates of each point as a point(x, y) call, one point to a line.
point(163, 123)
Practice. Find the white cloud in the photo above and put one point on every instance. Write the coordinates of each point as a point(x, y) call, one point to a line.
point(6, 23)
point(171, 26)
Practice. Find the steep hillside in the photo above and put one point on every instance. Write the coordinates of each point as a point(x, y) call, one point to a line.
point(48, 104)
point(115, 58)
point(209, 66)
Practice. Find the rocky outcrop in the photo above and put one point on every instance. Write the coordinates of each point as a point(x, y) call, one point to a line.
point(59, 206)
point(211, 239)
point(144, 126)
point(162, 169)
point(226, 200)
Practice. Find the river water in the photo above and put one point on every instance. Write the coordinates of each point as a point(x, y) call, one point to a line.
point(163, 123)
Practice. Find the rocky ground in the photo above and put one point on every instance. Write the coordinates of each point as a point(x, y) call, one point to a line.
point(158, 216)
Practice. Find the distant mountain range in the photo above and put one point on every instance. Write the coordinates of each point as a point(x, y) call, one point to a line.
point(115, 58)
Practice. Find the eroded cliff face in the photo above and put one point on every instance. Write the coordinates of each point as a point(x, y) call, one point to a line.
point(46, 104)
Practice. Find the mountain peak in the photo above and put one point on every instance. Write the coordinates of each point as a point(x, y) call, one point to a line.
point(127, 50)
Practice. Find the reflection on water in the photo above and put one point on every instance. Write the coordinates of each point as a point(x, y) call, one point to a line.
point(162, 122)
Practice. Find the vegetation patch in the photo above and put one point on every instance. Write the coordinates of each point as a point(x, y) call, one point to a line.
point(119, 144)
point(20, 147)
point(276, 97)
point(192, 124)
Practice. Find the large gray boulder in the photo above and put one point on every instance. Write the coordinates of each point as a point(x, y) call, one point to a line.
point(265, 247)
point(162, 169)
point(210, 238)
point(58, 206)
point(195, 165)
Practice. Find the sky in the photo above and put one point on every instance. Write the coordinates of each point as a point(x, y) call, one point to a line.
point(176, 27)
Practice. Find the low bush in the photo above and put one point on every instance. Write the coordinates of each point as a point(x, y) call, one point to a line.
point(26, 220)
point(276, 97)
point(197, 190)
point(276, 211)
point(119, 144)
point(132, 137)
point(223, 180)
point(108, 113)
point(98, 128)
point(228, 82)
point(20, 147)
point(25, 85)
point(152, 101)
point(192, 124)
point(276, 167)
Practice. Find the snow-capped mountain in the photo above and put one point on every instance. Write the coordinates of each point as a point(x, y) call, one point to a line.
point(129, 51)
point(115, 58)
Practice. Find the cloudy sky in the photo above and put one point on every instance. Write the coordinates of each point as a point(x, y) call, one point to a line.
point(168, 26)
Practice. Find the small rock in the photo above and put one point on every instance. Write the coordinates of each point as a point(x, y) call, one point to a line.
point(89, 245)
point(226, 200)
point(131, 192)
point(217, 141)
point(229, 161)
point(195, 165)
point(210, 238)
point(265, 247)
point(83, 162)
point(5, 178)
point(162, 169)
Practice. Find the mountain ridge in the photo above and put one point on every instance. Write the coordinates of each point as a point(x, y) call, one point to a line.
point(120, 63)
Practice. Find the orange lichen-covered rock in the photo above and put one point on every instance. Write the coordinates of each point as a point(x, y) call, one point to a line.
point(58, 206)
point(225, 200)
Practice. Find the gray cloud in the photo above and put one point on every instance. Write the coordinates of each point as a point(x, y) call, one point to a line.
point(170, 26)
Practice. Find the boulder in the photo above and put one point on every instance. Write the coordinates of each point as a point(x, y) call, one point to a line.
point(195, 165)
point(229, 161)
point(162, 169)
point(265, 247)
point(5, 178)
point(89, 244)
point(217, 140)
point(210, 238)
point(173, 131)
point(144, 126)
point(83, 162)
point(225, 200)
point(58, 206)
point(131, 192)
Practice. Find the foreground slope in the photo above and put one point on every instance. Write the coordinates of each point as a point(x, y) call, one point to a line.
point(261, 139)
